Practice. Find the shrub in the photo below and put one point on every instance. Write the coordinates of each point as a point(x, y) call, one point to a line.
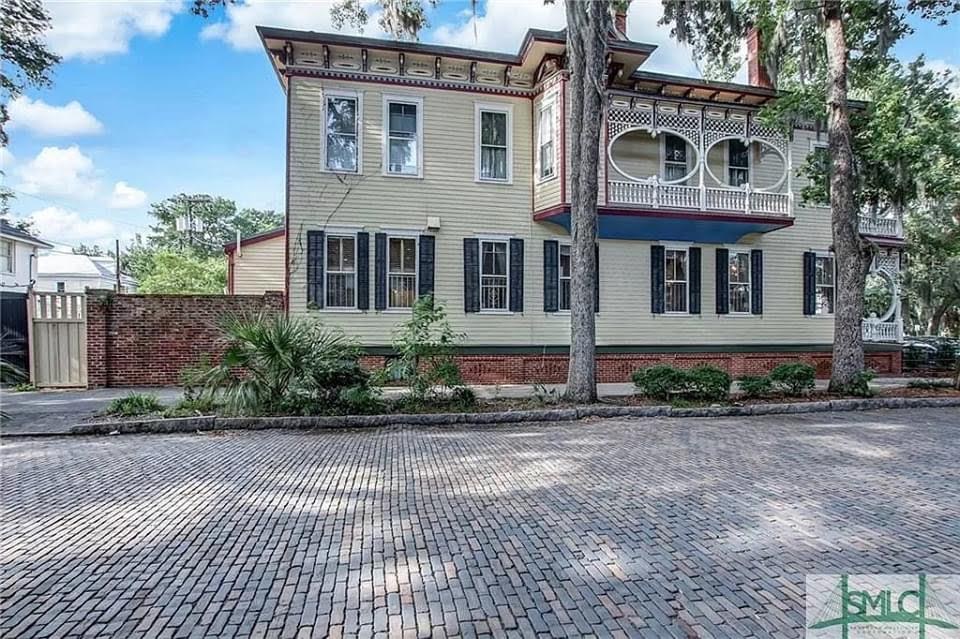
point(362, 400)
point(660, 382)
point(281, 364)
point(193, 406)
point(134, 404)
point(708, 383)
point(760, 386)
point(24, 387)
point(860, 386)
point(425, 346)
point(794, 379)
point(928, 384)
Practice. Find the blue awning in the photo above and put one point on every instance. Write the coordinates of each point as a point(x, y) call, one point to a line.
point(680, 226)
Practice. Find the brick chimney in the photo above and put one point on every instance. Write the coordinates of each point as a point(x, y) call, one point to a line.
point(620, 21)
point(756, 72)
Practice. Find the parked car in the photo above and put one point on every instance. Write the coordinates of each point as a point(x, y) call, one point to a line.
point(930, 351)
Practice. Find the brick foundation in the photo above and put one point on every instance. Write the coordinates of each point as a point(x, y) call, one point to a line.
point(146, 340)
point(552, 369)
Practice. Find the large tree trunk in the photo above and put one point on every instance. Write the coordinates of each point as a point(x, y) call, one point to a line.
point(852, 253)
point(588, 24)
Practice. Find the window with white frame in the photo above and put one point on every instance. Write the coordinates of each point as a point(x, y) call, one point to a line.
point(738, 271)
point(402, 123)
point(675, 278)
point(494, 273)
point(342, 133)
point(563, 273)
point(674, 157)
point(493, 131)
point(341, 273)
point(401, 272)
point(825, 277)
point(738, 163)
point(7, 255)
point(546, 140)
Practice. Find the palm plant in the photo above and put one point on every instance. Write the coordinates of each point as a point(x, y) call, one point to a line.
point(276, 363)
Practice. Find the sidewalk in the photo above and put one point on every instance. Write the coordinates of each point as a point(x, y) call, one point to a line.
point(54, 412)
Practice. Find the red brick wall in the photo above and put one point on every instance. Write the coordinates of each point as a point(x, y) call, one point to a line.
point(146, 340)
point(552, 369)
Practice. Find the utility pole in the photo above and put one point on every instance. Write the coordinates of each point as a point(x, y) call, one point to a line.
point(117, 254)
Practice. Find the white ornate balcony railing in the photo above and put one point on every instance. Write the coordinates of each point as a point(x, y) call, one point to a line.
point(877, 331)
point(881, 226)
point(676, 196)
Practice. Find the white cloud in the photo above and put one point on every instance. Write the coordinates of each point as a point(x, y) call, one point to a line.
point(59, 172)
point(942, 66)
point(6, 159)
point(504, 23)
point(51, 121)
point(57, 224)
point(95, 29)
point(238, 29)
point(125, 196)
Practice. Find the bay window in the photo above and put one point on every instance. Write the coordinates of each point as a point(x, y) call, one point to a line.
point(341, 271)
point(493, 275)
point(494, 137)
point(675, 279)
point(546, 143)
point(342, 135)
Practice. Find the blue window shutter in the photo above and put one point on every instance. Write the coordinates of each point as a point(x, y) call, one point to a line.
point(380, 270)
point(723, 281)
point(471, 275)
point(315, 269)
point(516, 275)
point(694, 268)
point(596, 289)
point(756, 282)
point(551, 274)
point(809, 283)
point(426, 264)
point(657, 283)
point(363, 271)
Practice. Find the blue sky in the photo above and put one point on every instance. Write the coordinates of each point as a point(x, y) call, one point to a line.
point(151, 101)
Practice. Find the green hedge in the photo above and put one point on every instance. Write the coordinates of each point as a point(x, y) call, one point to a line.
point(665, 382)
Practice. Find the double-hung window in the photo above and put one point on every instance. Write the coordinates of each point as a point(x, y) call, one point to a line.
point(738, 163)
point(494, 155)
point(675, 279)
point(825, 285)
point(342, 139)
point(494, 273)
point(674, 157)
point(401, 272)
point(341, 284)
point(403, 124)
point(7, 255)
point(546, 141)
point(738, 271)
point(563, 272)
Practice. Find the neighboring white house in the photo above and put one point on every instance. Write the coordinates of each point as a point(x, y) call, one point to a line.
point(65, 273)
point(18, 258)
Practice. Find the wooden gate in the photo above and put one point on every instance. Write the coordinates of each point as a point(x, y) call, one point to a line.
point(59, 338)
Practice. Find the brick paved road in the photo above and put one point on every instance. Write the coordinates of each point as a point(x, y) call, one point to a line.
point(685, 528)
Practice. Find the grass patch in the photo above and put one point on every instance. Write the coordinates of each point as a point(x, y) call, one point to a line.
point(134, 404)
point(193, 407)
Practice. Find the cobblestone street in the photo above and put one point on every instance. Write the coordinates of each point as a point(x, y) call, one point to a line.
point(662, 528)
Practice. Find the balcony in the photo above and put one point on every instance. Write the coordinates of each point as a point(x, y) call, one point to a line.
point(881, 227)
point(877, 331)
point(653, 194)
